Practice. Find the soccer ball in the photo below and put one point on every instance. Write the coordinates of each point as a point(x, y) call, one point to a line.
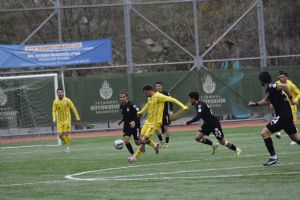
point(119, 144)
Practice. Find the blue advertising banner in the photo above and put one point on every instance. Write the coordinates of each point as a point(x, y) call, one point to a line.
point(50, 55)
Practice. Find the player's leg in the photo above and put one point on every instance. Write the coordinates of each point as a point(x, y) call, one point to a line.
point(200, 138)
point(160, 136)
point(294, 112)
point(291, 130)
point(141, 148)
point(166, 132)
point(61, 135)
point(126, 139)
point(218, 132)
point(67, 130)
point(265, 134)
point(149, 133)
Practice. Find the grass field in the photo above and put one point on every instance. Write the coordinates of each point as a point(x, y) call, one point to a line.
point(185, 170)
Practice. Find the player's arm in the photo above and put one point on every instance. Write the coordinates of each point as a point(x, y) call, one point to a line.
point(295, 90)
point(287, 91)
point(196, 118)
point(173, 100)
point(263, 102)
point(54, 110)
point(139, 113)
point(71, 105)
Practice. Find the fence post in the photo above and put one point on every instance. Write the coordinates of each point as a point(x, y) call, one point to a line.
point(129, 61)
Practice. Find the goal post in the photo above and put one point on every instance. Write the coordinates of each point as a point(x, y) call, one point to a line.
point(26, 104)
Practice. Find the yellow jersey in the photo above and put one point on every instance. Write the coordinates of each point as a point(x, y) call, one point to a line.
point(61, 110)
point(155, 107)
point(295, 93)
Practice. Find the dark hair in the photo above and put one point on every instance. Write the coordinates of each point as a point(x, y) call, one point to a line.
point(282, 73)
point(59, 89)
point(158, 82)
point(194, 95)
point(265, 77)
point(124, 92)
point(147, 88)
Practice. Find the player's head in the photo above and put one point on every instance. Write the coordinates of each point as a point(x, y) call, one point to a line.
point(265, 78)
point(123, 97)
point(282, 76)
point(60, 93)
point(158, 86)
point(193, 97)
point(148, 90)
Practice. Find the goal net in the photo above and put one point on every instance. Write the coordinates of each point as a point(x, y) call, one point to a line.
point(26, 105)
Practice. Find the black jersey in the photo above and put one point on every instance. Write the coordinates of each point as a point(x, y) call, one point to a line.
point(129, 111)
point(168, 105)
point(204, 112)
point(278, 99)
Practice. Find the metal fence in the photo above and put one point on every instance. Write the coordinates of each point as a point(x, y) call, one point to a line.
point(156, 35)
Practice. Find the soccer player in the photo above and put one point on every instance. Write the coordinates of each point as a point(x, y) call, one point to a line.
point(131, 122)
point(283, 78)
point(211, 125)
point(168, 111)
point(155, 108)
point(284, 118)
point(61, 116)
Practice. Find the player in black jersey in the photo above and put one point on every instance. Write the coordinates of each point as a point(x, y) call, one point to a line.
point(211, 125)
point(131, 122)
point(284, 119)
point(168, 111)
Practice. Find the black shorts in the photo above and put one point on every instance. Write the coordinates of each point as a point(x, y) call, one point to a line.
point(166, 120)
point(282, 122)
point(215, 128)
point(135, 132)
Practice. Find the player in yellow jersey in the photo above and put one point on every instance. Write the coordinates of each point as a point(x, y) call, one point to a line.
point(283, 78)
point(155, 108)
point(62, 117)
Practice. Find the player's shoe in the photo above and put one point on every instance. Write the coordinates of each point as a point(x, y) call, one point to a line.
point(214, 148)
point(271, 162)
point(164, 145)
point(278, 135)
point(131, 159)
point(156, 148)
point(238, 152)
point(67, 149)
point(292, 143)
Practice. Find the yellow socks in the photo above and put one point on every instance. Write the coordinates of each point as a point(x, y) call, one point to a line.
point(152, 144)
point(138, 153)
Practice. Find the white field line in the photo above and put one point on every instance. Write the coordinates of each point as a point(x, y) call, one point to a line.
point(142, 176)
point(73, 178)
point(34, 183)
point(31, 146)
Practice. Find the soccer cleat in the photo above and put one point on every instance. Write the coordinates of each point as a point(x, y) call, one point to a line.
point(67, 149)
point(162, 144)
point(131, 159)
point(271, 162)
point(278, 135)
point(156, 148)
point(214, 147)
point(292, 143)
point(238, 152)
